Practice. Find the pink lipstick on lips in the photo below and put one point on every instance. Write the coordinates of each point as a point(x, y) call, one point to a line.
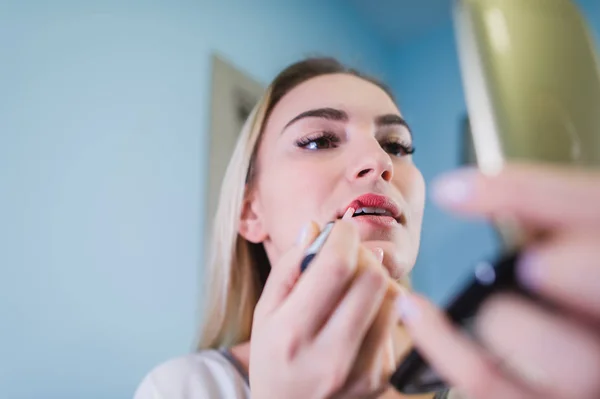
point(377, 209)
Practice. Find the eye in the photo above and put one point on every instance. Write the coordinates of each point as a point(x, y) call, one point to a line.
point(319, 141)
point(397, 147)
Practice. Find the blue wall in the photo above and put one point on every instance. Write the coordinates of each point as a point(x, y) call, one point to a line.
point(591, 10)
point(427, 81)
point(103, 120)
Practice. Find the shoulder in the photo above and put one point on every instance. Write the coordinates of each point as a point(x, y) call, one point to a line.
point(203, 375)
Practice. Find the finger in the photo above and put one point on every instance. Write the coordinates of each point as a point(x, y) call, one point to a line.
point(543, 196)
point(390, 357)
point(344, 332)
point(375, 355)
point(283, 277)
point(394, 261)
point(402, 343)
point(321, 286)
point(547, 351)
point(452, 354)
point(566, 269)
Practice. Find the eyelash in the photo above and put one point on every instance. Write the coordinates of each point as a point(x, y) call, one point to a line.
point(332, 139)
point(400, 146)
point(304, 142)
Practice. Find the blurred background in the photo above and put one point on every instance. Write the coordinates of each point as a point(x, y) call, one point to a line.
point(105, 125)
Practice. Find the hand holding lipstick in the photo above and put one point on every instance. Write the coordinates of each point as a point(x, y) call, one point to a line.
point(326, 332)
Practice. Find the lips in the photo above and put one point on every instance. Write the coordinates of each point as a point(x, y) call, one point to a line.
point(375, 206)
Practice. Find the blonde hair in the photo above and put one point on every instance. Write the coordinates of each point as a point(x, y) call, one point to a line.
point(237, 269)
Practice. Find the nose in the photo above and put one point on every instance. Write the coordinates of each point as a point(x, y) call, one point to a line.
point(371, 162)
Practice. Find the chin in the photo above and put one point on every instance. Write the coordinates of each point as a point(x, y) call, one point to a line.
point(398, 259)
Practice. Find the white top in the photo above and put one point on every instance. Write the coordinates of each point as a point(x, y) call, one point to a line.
point(209, 374)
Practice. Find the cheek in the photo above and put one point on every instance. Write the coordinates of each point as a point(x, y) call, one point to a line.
point(412, 186)
point(418, 197)
point(410, 181)
point(292, 192)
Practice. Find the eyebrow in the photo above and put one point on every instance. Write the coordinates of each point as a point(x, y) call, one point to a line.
point(341, 116)
point(324, 113)
point(391, 120)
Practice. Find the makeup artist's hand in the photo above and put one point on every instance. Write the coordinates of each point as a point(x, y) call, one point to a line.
point(543, 354)
point(326, 333)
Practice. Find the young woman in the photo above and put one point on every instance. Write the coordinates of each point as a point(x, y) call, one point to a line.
point(326, 143)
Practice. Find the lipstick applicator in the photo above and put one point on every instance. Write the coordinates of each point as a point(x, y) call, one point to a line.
point(318, 243)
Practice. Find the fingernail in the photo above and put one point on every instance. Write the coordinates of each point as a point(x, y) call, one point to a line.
point(454, 188)
point(378, 252)
point(407, 308)
point(529, 270)
point(302, 235)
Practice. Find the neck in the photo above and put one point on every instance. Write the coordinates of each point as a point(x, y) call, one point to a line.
point(242, 353)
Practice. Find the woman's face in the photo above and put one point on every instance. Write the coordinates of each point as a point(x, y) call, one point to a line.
point(334, 142)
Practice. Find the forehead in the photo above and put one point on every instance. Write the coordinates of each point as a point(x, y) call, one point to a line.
point(360, 98)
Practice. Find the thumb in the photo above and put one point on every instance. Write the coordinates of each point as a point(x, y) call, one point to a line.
point(542, 196)
point(285, 273)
